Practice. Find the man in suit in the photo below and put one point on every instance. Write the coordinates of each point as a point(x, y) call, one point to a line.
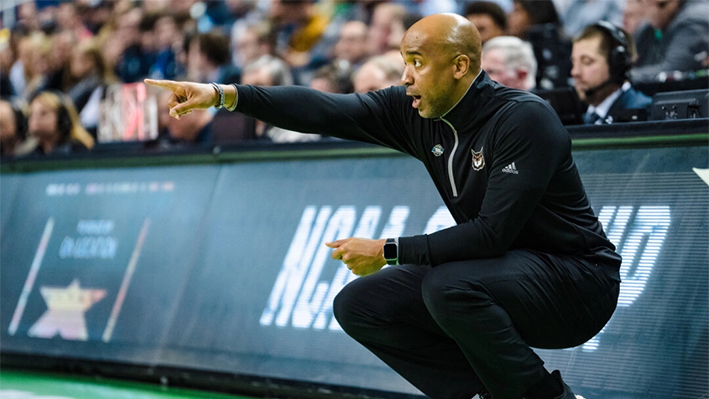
point(602, 56)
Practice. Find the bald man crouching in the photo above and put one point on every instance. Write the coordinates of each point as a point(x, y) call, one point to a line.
point(527, 265)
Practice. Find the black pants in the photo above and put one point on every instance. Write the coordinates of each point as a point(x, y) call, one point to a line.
point(459, 327)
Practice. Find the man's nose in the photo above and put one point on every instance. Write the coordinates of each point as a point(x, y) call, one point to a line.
point(406, 78)
point(574, 70)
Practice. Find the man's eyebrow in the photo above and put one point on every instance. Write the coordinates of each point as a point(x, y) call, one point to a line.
point(413, 52)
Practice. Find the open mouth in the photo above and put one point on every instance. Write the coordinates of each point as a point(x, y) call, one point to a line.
point(416, 102)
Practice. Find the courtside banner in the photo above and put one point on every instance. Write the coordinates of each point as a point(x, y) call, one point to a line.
point(224, 267)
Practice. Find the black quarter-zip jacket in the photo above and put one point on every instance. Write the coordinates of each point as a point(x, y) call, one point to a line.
point(500, 159)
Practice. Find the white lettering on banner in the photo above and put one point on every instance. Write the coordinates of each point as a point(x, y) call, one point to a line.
point(440, 220)
point(302, 299)
point(88, 248)
point(639, 248)
point(93, 243)
point(313, 290)
point(295, 266)
point(57, 190)
point(299, 297)
point(98, 227)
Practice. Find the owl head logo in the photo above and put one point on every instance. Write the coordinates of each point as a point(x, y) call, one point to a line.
point(478, 159)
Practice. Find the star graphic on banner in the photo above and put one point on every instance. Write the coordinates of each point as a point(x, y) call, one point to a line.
point(703, 174)
point(65, 313)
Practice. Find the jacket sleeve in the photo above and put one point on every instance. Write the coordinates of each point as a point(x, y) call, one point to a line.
point(531, 137)
point(377, 117)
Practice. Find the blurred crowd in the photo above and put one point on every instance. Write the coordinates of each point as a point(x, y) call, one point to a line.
point(58, 58)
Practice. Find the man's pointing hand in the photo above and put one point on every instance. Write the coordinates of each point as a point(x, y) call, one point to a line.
point(186, 96)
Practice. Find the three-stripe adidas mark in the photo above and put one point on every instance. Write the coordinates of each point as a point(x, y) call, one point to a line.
point(511, 168)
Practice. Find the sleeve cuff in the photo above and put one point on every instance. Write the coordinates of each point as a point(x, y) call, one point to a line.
point(414, 250)
point(236, 97)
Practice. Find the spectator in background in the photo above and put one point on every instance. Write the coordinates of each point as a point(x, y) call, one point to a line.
point(602, 57)
point(674, 38)
point(124, 49)
point(332, 79)
point(63, 44)
point(148, 49)
point(633, 16)
point(384, 17)
point(271, 71)
point(209, 60)
point(351, 48)
point(250, 42)
point(98, 16)
point(27, 18)
point(510, 61)
point(47, 15)
point(69, 18)
point(244, 12)
point(158, 6)
point(54, 123)
point(86, 82)
point(582, 13)
point(399, 26)
point(13, 130)
point(300, 29)
point(167, 38)
point(268, 70)
point(7, 58)
point(16, 73)
point(377, 73)
point(33, 62)
point(537, 22)
point(488, 17)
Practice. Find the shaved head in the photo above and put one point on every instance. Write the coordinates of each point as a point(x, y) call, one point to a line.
point(442, 59)
point(453, 34)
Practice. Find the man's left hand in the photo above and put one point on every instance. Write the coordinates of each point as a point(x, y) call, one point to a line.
point(362, 256)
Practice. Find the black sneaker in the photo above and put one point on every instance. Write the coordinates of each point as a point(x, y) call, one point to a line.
point(567, 394)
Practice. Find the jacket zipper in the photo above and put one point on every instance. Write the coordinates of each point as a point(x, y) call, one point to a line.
point(450, 159)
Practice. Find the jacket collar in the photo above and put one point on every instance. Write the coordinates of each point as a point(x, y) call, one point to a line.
point(470, 108)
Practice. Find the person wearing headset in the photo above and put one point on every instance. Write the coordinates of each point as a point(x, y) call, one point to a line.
point(54, 123)
point(602, 56)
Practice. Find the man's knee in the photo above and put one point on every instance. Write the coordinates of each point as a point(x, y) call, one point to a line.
point(348, 308)
point(342, 307)
point(444, 292)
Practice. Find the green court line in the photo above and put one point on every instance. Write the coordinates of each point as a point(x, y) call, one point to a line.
point(83, 387)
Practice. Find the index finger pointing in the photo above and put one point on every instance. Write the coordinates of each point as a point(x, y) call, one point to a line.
point(165, 84)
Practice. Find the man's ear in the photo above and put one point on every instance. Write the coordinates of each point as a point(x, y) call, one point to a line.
point(461, 66)
point(521, 74)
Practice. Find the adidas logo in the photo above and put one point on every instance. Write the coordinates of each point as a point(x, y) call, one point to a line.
point(511, 168)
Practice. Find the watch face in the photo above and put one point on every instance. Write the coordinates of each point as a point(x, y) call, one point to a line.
point(390, 251)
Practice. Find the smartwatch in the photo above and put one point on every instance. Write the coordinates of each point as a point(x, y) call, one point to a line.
point(391, 251)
